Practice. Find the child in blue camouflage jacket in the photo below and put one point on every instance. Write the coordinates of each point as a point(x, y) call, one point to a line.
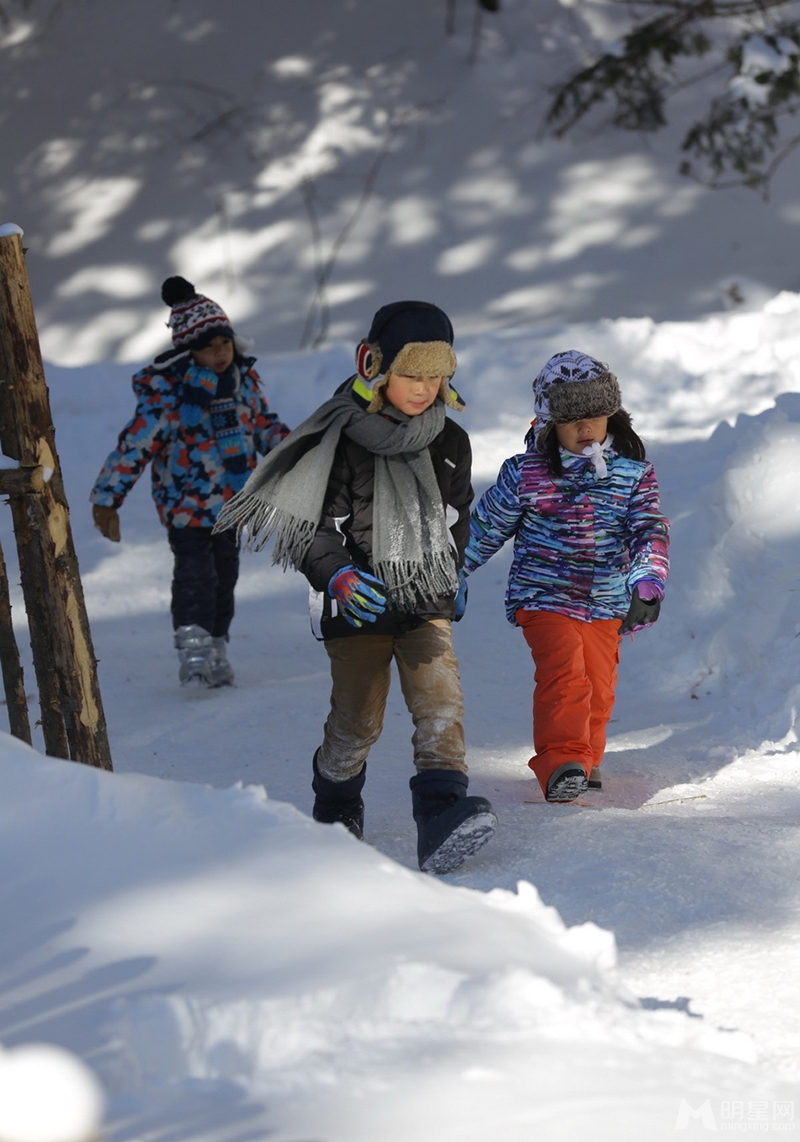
point(200, 421)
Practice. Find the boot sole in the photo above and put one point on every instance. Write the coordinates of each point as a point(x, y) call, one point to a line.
point(566, 789)
point(195, 671)
point(197, 680)
point(465, 840)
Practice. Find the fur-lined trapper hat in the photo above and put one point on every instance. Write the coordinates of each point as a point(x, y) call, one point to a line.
point(572, 386)
point(412, 339)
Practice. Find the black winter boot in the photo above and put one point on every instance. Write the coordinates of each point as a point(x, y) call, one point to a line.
point(450, 825)
point(339, 801)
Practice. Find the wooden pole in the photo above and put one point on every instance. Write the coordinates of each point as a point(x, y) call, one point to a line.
point(73, 722)
point(13, 681)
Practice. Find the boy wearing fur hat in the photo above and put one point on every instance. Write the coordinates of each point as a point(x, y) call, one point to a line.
point(370, 499)
point(200, 420)
point(590, 549)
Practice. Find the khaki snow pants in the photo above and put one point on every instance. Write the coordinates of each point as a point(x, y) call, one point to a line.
point(431, 684)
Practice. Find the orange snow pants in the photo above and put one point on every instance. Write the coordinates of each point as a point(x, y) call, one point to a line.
point(575, 678)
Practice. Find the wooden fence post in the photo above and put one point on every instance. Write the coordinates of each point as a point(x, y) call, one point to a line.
point(73, 722)
point(13, 681)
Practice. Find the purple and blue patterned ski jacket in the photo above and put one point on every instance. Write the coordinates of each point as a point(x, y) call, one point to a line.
point(581, 542)
point(190, 480)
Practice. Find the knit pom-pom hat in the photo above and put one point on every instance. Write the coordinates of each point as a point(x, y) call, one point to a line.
point(195, 320)
point(572, 386)
point(412, 339)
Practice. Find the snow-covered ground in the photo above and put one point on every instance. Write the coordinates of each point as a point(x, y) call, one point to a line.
point(621, 968)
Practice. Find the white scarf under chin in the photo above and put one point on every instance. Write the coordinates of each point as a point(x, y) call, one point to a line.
point(596, 453)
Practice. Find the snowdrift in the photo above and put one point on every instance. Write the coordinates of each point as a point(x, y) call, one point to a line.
point(190, 939)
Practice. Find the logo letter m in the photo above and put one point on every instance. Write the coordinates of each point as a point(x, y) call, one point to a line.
point(704, 1112)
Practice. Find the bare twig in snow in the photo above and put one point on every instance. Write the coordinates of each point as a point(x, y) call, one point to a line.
point(319, 310)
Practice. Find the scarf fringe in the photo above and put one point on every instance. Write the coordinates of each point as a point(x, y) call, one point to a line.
point(256, 522)
point(247, 514)
point(293, 539)
point(408, 582)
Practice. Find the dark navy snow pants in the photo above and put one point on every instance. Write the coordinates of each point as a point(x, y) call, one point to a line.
point(204, 578)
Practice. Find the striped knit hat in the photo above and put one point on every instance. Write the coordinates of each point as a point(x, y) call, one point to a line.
point(195, 320)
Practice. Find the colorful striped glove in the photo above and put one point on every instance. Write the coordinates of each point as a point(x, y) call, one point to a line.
point(360, 596)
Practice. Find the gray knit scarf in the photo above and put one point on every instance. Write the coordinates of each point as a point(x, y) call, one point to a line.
point(284, 495)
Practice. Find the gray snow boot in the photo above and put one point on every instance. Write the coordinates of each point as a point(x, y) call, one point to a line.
point(450, 825)
point(221, 669)
point(339, 801)
point(194, 646)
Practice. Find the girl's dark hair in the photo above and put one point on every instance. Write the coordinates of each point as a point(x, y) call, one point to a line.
point(626, 441)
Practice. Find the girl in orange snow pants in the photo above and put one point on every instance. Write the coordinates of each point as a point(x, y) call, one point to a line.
point(591, 558)
point(575, 680)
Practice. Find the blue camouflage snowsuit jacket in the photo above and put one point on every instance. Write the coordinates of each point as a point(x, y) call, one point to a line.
point(190, 481)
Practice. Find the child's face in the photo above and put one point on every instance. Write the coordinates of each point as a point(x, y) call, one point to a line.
point(217, 355)
point(579, 434)
point(411, 395)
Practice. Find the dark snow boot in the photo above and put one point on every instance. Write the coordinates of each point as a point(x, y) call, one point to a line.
point(339, 801)
point(450, 825)
point(567, 782)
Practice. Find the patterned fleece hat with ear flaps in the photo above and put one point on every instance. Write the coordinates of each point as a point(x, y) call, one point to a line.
point(572, 386)
point(413, 339)
point(195, 320)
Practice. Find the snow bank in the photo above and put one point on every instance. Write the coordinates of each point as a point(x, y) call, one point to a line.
point(734, 611)
point(48, 1094)
point(679, 380)
point(188, 937)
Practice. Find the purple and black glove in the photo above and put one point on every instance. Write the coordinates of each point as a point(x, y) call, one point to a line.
point(360, 596)
point(645, 606)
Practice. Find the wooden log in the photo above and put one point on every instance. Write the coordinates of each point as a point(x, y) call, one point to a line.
point(17, 480)
point(73, 722)
point(13, 680)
